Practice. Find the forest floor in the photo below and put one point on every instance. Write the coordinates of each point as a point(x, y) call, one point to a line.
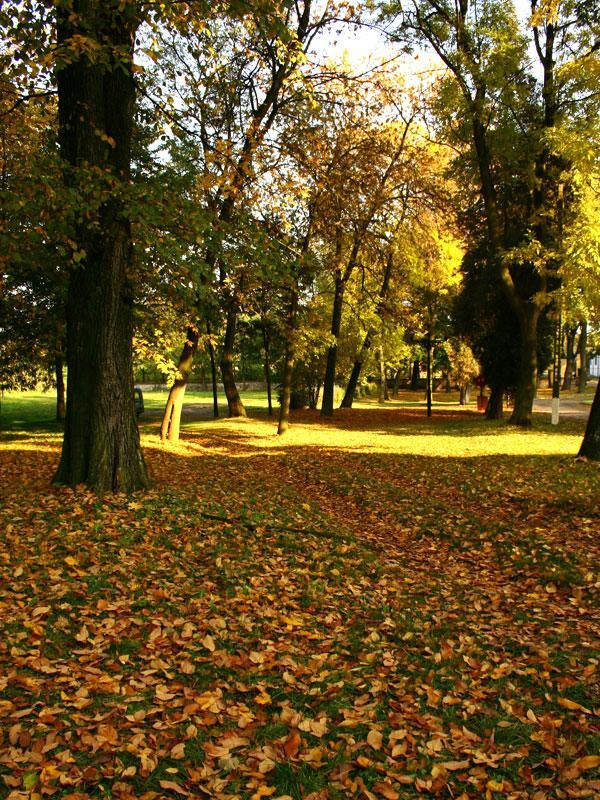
point(379, 606)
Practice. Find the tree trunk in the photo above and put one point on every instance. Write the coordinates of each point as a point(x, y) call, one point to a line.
point(465, 394)
point(288, 363)
point(234, 401)
point(571, 333)
point(171, 420)
point(60, 389)
point(381, 363)
point(583, 366)
point(590, 447)
point(356, 370)
point(494, 408)
point(336, 323)
point(101, 446)
point(266, 343)
point(526, 389)
point(213, 371)
point(414, 378)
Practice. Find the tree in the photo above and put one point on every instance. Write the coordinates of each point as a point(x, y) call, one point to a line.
point(230, 115)
point(96, 96)
point(482, 48)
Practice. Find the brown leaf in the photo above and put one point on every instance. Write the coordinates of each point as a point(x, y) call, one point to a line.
point(292, 744)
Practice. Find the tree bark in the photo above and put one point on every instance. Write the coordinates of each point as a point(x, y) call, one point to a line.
point(171, 420)
point(213, 371)
point(570, 335)
point(583, 366)
point(336, 324)
point(465, 394)
point(60, 389)
point(266, 343)
point(414, 378)
point(234, 401)
point(382, 387)
point(590, 446)
point(356, 370)
point(101, 446)
point(366, 345)
point(495, 404)
point(288, 363)
point(526, 389)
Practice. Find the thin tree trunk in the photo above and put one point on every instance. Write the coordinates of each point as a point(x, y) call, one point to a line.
point(583, 366)
point(213, 371)
point(590, 446)
point(366, 345)
point(356, 370)
point(526, 389)
point(495, 404)
point(266, 343)
point(288, 363)
point(101, 446)
point(381, 362)
point(234, 401)
point(171, 420)
point(571, 334)
point(60, 389)
point(336, 323)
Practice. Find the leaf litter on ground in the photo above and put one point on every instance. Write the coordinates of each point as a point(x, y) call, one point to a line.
point(376, 607)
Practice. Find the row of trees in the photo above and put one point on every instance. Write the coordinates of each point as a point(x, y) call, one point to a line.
point(173, 170)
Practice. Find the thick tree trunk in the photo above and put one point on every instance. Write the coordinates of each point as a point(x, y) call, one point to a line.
point(590, 447)
point(288, 363)
point(465, 394)
point(495, 404)
point(234, 401)
point(101, 446)
point(171, 420)
point(266, 343)
point(583, 366)
point(60, 389)
point(526, 389)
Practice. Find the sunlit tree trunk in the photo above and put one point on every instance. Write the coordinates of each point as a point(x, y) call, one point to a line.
point(171, 420)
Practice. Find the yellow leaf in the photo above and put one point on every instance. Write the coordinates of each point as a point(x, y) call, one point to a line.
point(209, 643)
point(587, 762)
point(375, 739)
point(178, 751)
point(570, 704)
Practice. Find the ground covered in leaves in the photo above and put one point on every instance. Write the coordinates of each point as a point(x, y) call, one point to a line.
point(377, 607)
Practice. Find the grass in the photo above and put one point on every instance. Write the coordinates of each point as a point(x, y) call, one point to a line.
point(377, 605)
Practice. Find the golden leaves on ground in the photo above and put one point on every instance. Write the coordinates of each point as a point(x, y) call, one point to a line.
point(346, 622)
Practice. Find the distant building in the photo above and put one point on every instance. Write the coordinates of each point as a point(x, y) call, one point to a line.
point(594, 368)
